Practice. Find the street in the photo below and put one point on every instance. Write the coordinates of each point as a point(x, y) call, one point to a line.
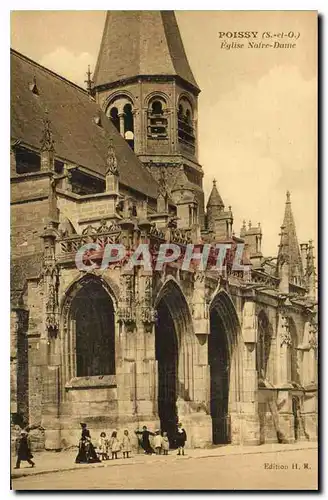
point(294, 469)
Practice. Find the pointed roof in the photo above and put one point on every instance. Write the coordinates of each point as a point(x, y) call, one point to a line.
point(141, 43)
point(181, 181)
point(289, 248)
point(78, 137)
point(215, 199)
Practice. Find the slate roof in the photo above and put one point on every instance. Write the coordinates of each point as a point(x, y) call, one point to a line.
point(24, 267)
point(71, 111)
point(144, 43)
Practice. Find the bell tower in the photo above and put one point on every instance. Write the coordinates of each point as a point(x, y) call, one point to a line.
point(144, 84)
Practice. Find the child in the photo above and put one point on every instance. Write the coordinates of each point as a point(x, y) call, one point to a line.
point(114, 445)
point(181, 438)
point(144, 442)
point(126, 444)
point(103, 446)
point(165, 444)
point(24, 451)
point(158, 440)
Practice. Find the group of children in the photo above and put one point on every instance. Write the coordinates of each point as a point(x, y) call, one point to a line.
point(160, 443)
point(114, 445)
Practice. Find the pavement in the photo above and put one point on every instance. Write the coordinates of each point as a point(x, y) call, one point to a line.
point(48, 462)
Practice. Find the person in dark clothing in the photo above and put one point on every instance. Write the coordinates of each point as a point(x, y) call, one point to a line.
point(145, 443)
point(86, 454)
point(24, 451)
point(181, 439)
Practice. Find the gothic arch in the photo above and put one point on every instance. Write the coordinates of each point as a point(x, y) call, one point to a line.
point(88, 328)
point(264, 341)
point(76, 284)
point(171, 289)
point(174, 346)
point(225, 361)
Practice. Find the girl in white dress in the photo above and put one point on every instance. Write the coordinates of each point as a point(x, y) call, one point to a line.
point(126, 444)
point(114, 445)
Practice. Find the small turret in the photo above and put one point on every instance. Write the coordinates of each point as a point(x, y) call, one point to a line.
point(219, 221)
point(253, 240)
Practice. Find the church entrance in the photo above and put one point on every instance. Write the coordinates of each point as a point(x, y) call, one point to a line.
point(92, 322)
point(219, 361)
point(224, 366)
point(166, 347)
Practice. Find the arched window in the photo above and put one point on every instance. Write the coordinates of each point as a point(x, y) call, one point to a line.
point(128, 125)
point(115, 118)
point(157, 108)
point(92, 318)
point(263, 346)
point(293, 373)
point(120, 111)
point(157, 119)
point(186, 133)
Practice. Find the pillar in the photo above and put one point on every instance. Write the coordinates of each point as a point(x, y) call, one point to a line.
point(250, 425)
point(283, 344)
point(121, 117)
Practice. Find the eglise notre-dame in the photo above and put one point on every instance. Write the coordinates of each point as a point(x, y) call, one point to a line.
point(233, 355)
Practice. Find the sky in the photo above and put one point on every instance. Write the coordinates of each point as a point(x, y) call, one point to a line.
point(257, 111)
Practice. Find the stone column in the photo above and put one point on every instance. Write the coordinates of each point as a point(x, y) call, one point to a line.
point(284, 342)
point(121, 117)
point(201, 324)
point(146, 364)
point(250, 426)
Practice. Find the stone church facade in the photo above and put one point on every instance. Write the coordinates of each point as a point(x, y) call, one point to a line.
point(232, 354)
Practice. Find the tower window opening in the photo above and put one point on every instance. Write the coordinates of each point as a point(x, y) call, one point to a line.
point(120, 111)
point(157, 108)
point(115, 118)
point(128, 125)
point(157, 120)
point(186, 133)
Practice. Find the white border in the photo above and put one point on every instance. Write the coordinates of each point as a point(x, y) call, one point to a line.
point(320, 5)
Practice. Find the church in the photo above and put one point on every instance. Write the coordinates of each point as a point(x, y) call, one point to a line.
point(231, 354)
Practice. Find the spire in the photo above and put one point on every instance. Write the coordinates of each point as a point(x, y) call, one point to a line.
point(141, 43)
point(89, 81)
point(215, 199)
point(47, 141)
point(289, 250)
point(111, 160)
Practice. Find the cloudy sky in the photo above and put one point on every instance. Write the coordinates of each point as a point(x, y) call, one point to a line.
point(257, 109)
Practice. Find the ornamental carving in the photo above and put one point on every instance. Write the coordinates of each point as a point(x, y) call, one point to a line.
point(148, 313)
point(285, 335)
point(52, 312)
point(47, 141)
point(111, 161)
point(313, 336)
point(126, 312)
